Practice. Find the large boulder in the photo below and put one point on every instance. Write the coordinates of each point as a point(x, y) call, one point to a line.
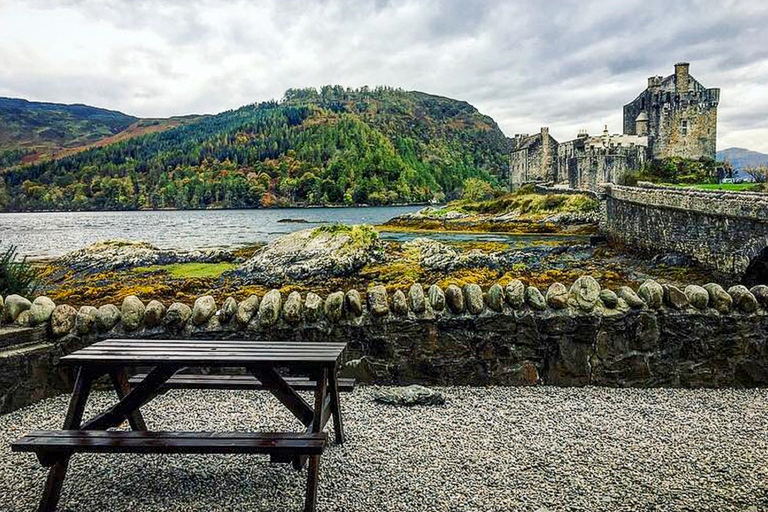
point(697, 296)
point(228, 310)
point(107, 317)
point(313, 306)
point(132, 313)
point(63, 320)
point(14, 305)
point(495, 297)
point(585, 293)
point(632, 299)
point(439, 257)
point(743, 298)
point(177, 315)
point(473, 298)
point(652, 293)
point(436, 297)
point(203, 309)
point(269, 310)
point(454, 299)
point(515, 293)
point(41, 310)
point(334, 306)
point(247, 308)
point(353, 303)
point(399, 303)
point(154, 313)
point(719, 298)
point(377, 300)
point(417, 298)
point(86, 319)
point(557, 296)
point(292, 308)
point(312, 255)
point(535, 299)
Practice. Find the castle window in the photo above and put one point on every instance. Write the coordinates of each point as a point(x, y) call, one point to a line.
point(684, 127)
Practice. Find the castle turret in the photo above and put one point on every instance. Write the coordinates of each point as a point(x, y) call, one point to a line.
point(641, 124)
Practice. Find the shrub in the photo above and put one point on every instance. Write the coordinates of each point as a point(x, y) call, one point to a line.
point(16, 276)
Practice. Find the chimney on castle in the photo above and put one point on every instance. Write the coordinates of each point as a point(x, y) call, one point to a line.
point(681, 77)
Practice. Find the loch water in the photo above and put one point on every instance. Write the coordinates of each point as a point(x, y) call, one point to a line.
point(51, 234)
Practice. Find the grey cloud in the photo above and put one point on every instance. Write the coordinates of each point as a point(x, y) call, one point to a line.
point(526, 63)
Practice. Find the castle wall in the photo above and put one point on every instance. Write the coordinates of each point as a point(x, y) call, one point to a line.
point(509, 335)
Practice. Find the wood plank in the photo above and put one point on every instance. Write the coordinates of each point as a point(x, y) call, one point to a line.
point(279, 443)
point(268, 344)
point(201, 360)
point(237, 382)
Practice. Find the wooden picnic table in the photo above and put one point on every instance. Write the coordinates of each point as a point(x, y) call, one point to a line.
point(168, 359)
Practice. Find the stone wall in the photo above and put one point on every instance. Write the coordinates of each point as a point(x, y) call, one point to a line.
point(724, 231)
point(506, 335)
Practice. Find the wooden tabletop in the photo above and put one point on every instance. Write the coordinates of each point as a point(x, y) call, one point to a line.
point(205, 352)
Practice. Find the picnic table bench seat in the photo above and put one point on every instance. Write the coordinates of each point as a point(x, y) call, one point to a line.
point(49, 445)
point(239, 382)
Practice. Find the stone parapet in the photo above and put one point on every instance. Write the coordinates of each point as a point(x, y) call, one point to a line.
point(507, 335)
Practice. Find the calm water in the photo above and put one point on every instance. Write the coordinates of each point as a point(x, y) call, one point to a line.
point(46, 235)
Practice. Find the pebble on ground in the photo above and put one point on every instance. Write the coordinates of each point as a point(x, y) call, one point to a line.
point(486, 449)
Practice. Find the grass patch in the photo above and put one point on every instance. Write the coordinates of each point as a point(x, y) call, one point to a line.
point(528, 203)
point(189, 270)
point(362, 235)
point(730, 187)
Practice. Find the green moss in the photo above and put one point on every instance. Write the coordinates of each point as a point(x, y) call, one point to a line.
point(361, 234)
point(189, 270)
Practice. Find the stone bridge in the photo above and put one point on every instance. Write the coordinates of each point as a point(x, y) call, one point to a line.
point(724, 231)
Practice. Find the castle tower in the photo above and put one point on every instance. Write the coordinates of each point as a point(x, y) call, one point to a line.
point(678, 114)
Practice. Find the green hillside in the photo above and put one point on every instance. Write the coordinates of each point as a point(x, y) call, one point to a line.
point(28, 127)
point(333, 146)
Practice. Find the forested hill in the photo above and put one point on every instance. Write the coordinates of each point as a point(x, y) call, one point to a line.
point(28, 127)
point(332, 146)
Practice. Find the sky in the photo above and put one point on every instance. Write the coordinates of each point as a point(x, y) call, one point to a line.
point(568, 65)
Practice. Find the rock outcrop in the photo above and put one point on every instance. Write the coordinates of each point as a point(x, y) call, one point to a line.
point(111, 255)
point(312, 255)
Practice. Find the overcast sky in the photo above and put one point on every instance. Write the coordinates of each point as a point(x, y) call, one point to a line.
point(566, 65)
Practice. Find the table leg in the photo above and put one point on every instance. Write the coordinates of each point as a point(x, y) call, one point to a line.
point(319, 418)
point(145, 391)
point(122, 388)
point(310, 503)
point(338, 427)
point(58, 470)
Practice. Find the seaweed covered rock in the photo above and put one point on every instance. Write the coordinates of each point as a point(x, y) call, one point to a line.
point(312, 255)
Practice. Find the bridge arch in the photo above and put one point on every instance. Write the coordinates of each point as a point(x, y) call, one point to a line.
point(757, 269)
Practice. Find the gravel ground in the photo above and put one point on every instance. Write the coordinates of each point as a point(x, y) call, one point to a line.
point(487, 449)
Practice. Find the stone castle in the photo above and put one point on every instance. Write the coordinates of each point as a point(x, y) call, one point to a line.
point(675, 116)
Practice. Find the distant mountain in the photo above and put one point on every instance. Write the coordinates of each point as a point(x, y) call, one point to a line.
point(327, 146)
point(32, 125)
point(740, 157)
point(31, 131)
